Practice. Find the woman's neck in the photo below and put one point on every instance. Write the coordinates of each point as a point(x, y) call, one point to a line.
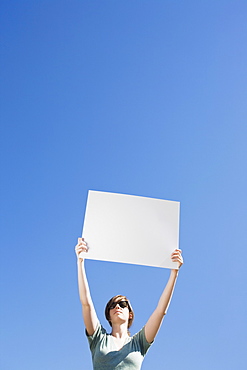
point(120, 331)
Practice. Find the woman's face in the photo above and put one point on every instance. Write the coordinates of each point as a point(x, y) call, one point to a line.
point(119, 311)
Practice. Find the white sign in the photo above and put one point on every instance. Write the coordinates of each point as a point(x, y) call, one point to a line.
point(131, 229)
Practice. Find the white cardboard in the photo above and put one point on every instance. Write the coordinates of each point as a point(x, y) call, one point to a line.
point(131, 229)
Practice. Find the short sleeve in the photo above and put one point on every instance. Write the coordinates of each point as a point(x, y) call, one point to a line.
point(93, 339)
point(141, 338)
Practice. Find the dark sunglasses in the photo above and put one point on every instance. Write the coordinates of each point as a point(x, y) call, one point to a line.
point(121, 304)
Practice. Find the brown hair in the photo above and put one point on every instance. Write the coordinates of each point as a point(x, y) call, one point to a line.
point(118, 298)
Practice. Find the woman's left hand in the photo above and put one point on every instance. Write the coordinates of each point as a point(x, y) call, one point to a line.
point(176, 256)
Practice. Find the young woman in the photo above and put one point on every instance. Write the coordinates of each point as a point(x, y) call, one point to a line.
point(118, 350)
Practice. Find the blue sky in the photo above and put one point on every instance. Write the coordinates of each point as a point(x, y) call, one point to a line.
point(136, 97)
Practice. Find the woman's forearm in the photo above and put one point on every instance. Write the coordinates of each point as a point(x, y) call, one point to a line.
point(166, 296)
point(153, 324)
point(84, 291)
point(88, 311)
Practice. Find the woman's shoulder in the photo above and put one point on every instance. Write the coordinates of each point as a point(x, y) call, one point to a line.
point(141, 339)
point(100, 330)
point(139, 333)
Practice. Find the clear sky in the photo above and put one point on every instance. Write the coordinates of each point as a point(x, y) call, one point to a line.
point(137, 97)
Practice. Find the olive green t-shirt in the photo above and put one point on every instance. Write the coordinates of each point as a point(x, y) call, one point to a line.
point(105, 356)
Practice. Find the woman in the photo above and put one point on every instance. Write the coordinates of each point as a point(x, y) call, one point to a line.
point(119, 350)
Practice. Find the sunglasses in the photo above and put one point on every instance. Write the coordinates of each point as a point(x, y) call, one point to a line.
point(121, 304)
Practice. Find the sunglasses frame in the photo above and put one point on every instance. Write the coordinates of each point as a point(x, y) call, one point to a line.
point(122, 304)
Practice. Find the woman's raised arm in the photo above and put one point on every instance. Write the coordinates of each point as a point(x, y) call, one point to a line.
point(155, 320)
point(88, 311)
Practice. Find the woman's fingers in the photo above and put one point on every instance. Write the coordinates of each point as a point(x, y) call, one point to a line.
point(80, 249)
point(81, 246)
point(177, 252)
point(81, 240)
point(176, 256)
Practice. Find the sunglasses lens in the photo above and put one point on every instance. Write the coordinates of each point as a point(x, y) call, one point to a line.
point(122, 304)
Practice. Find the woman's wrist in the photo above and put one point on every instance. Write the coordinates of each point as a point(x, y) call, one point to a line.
point(175, 272)
point(80, 261)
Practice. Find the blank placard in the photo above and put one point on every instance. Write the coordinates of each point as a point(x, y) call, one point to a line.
point(131, 229)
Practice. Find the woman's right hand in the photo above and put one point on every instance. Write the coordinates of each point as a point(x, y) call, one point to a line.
point(80, 248)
